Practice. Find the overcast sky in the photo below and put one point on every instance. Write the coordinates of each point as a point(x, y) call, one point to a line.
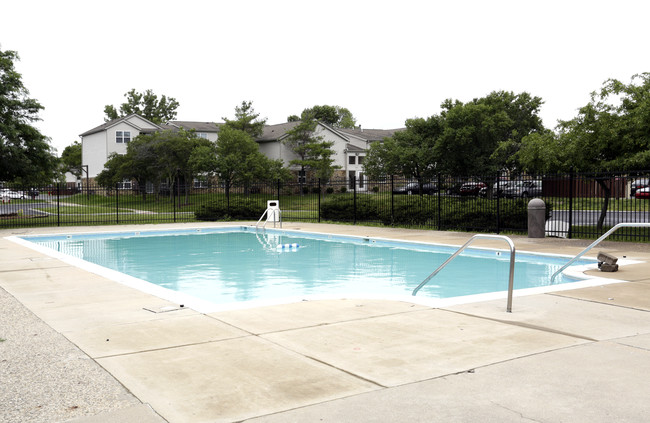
point(386, 61)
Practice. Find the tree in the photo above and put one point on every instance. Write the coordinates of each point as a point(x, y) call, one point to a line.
point(477, 133)
point(338, 117)
point(314, 153)
point(409, 153)
point(246, 120)
point(111, 174)
point(146, 105)
point(26, 157)
point(234, 158)
point(71, 159)
point(610, 133)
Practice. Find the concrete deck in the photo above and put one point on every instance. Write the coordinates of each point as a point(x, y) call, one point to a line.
point(581, 355)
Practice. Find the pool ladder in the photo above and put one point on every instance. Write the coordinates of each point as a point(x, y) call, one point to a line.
point(461, 249)
point(596, 242)
point(274, 214)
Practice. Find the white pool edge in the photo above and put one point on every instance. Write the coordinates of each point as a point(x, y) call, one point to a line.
point(202, 306)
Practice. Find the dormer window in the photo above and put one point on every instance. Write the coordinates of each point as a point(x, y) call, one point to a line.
point(122, 136)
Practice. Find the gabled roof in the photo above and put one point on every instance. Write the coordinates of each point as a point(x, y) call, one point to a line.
point(193, 125)
point(369, 134)
point(275, 132)
point(124, 119)
point(354, 149)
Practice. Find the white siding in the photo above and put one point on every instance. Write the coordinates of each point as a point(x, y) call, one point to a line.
point(93, 152)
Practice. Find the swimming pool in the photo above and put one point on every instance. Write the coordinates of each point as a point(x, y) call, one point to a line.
point(215, 268)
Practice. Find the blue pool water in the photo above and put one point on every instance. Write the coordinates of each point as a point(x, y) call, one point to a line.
point(235, 264)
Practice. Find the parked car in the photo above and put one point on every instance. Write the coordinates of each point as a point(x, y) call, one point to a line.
point(413, 188)
point(454, 189)
point(7, 193)
point(497, 189)
point(638, 184)
point(523, 189)
point(642, 193)
point(471, 188)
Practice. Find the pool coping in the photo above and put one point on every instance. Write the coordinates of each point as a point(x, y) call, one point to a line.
point(185, 300)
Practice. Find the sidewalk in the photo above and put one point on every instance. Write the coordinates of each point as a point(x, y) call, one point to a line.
point(580, 355)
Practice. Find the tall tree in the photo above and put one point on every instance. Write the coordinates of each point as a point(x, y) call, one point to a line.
point(336, 116)
point(246, 120)
point(235, 158)
point(71, 159)
point(26, 157)
point(145, 104)
point(476, 132)
point(611, 132)
point(315, 154)
point(409, 153)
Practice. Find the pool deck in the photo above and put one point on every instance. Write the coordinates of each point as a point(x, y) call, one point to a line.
point(81, 348)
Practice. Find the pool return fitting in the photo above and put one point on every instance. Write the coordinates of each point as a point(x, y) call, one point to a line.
point(460, 250)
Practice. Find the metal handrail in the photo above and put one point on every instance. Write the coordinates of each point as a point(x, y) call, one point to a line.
point(460, 250)
point(267, 220)
point(596, 242)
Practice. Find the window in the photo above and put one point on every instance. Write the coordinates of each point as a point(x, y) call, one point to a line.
point(125, 184)
point(202, 135)
point(361, 159)
point(351, 160)
point(122, 136)
point(200, 183)
point(302, 177)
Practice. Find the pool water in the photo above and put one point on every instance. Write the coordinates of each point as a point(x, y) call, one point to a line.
point(225, 266)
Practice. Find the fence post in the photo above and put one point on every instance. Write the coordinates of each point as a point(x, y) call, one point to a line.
point(354, 185)
point(117, 204)
point(439, 203)
point(498, 207)
point(571, 182)
point(58, 204)
point(319, 193)
point(392, 200)
point(173, 200)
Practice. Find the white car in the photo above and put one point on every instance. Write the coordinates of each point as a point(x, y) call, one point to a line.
point(7, 193)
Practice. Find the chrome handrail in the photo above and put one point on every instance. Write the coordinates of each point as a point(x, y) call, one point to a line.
point(460, 250)
point(278, 211)
point(596, 242)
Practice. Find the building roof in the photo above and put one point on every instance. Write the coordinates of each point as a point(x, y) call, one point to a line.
point(114, 122)
point(275, 132)
point(193, 125)
point(370, 134)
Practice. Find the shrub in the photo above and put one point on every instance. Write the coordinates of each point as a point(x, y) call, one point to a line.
point(375, 189)
point(329, 190)
point(343, 190)
point(240, 209)
point(342, 209)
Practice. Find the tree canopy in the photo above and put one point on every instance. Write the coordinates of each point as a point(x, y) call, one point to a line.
point(336, 116)
point(158, 158)
point(26, 156)
point(145, 104)
point(466, 139)
point(409, 152)
point(71, 159)
point(246, 120)
point(315, 154)
point(235, 158)
point(478, 133)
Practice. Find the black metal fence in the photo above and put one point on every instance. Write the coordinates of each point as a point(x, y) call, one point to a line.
point(578, 205)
